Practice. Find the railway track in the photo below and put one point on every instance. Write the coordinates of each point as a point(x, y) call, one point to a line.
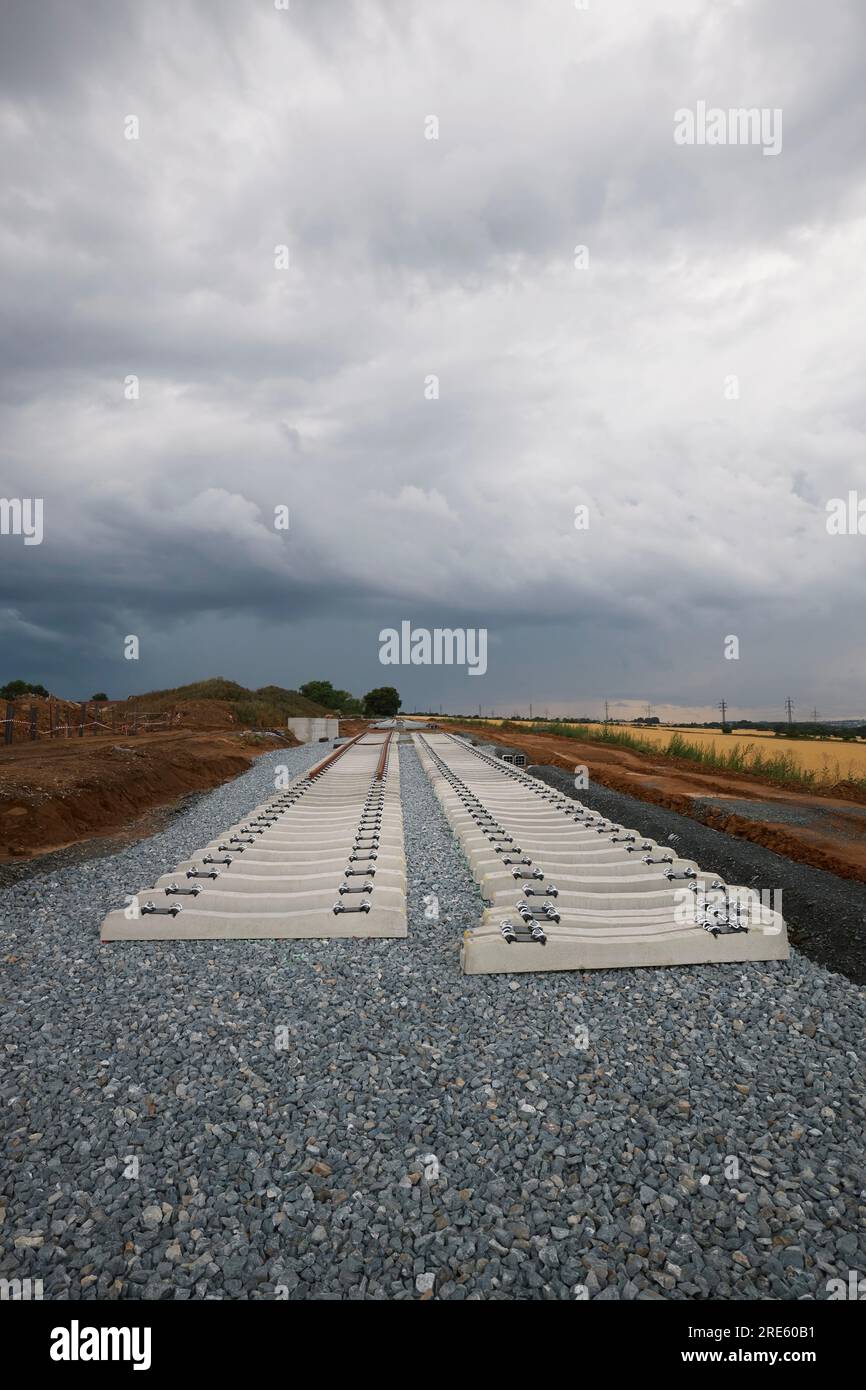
point(322, 858)
point(565, 888)
point(569, 890)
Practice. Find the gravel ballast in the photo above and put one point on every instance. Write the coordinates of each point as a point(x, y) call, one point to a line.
point(349, 1119)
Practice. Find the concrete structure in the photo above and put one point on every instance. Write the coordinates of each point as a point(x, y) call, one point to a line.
point(313, 730)
point(511, 755)
point(322, 858)
point(570, 890)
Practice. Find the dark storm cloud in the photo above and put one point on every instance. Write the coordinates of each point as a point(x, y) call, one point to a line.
point(413, 258)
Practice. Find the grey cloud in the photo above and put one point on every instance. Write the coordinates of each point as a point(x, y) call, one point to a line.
point(451, 257)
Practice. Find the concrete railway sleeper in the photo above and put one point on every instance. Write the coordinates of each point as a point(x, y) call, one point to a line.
point(324, 858)
point(570, 890)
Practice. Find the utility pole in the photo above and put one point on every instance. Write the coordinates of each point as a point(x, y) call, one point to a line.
point(815, 715)
point(530, 709)
point(789, 706)
point(723, 707)
point(606, 714)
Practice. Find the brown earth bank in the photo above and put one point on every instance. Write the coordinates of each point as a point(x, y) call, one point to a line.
point(62, 720)
point(56, 793)
point(824, 830)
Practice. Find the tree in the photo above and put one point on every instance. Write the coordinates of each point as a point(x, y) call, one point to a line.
point(320, 692)
point(383, 702)
point(101, 695)
point(323, 693)
point(14, 689)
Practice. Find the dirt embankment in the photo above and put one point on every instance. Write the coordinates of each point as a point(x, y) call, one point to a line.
point(193, 707)
point(54, 793)
point(826, 831)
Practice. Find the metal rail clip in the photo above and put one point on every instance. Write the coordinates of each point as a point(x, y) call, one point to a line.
point(523, 933)
point(529, 913)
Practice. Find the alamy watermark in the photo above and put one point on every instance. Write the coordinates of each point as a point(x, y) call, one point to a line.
point(443, 646)
point(20, 1290)
point(22, 516)
point(77, 1343)
point(706, 904)
point(854, 1288)
point(846, 516)
point(712, 125)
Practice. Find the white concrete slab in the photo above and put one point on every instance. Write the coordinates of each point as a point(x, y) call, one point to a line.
point(331, 844)
point(616, 905)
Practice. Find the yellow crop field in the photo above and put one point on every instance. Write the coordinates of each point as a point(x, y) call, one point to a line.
point(819, 763)
point(829, 760)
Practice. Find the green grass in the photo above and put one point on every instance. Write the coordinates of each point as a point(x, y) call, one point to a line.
point(744, 757)
point(605, 733)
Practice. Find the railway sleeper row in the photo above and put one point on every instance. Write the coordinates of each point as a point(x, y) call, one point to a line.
point(568, 889)
point(322, 858)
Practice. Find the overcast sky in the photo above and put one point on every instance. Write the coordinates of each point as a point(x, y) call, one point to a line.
point(606, 386)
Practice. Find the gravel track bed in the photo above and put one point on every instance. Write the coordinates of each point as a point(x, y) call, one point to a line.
point(358, 1120)
point(778, 813)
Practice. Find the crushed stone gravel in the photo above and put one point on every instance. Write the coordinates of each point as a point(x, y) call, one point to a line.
point(358, 1120)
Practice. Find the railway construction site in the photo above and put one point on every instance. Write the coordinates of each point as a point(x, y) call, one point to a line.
point(393, 1019)
point(433, 773)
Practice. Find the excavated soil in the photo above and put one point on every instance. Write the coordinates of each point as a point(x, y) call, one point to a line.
point(53, 794)
point(827, 831)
